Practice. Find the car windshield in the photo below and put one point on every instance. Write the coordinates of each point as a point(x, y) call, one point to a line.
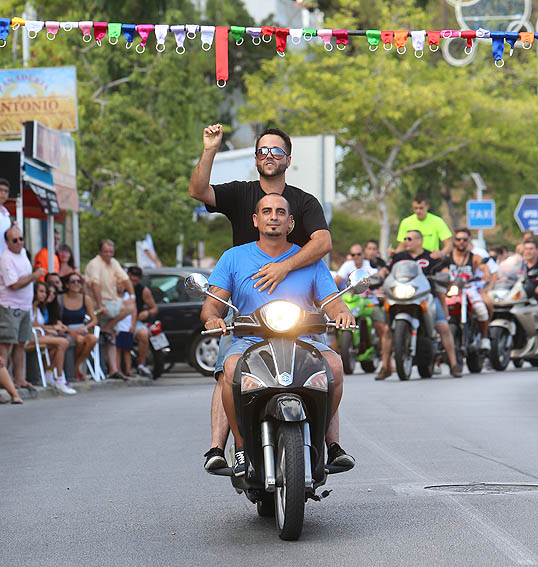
point(405, 270)
point(509, 271)
point(168, 288)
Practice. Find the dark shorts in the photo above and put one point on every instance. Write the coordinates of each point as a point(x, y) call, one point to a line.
point(124, 340)
point(15, 326)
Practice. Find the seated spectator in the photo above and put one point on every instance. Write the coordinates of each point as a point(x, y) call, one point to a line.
point(52, 307)
point(53, 339)
point(53, 278)
point(124, 338)
point(67, 262)
point(77, 313)
point(7, 384)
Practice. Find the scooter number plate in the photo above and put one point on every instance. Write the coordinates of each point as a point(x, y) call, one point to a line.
point(159, 342)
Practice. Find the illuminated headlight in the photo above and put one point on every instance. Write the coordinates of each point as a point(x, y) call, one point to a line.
point(249, 383)
point(281, 316)
point(318, 381)
point(454, 290)
point(404, 291)
point(500, 294)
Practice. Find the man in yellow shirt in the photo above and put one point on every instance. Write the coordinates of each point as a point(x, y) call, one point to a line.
point(434, 229)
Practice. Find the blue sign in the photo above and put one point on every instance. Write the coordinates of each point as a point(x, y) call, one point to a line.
point(481, 214)
point(526, 213)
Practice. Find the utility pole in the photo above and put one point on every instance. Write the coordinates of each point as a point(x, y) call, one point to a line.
point(480, 187)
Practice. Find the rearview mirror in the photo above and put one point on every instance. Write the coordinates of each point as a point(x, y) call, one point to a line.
point(197, 286)
point(359, 280)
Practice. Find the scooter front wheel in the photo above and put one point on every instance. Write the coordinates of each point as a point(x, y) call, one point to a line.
point(402, 348)
point(290, 480)
point(500, 348)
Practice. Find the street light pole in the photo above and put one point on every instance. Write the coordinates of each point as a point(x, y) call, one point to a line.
point(480, 187)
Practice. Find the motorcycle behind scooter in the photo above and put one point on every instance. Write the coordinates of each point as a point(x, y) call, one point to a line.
point(283, 390)
point(159, 347)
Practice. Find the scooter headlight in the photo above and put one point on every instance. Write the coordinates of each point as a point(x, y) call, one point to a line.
point(281, 316)
point(500, 294)
point(318, 381)
point(453, 291)
point(404, 291)
point(249, 383)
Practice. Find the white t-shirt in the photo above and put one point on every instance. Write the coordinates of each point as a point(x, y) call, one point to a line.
point(5, 224)
point(491, 264)
point(37, 317)
point(125, 323)
point(142, 259)
point(13, 267)
point(349, 266)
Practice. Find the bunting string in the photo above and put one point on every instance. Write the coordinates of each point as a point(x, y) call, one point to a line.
point(218, 37)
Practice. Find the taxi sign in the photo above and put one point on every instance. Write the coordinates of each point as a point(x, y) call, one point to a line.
point(481, 214)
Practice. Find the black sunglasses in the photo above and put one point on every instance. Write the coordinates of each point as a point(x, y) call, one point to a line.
point(15, 240)
point(463, 239)
point(277, 153)
point(409, 238)
point(75, 281)
point(357, 254)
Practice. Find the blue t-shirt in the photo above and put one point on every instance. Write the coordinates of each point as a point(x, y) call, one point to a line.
point(237, 265)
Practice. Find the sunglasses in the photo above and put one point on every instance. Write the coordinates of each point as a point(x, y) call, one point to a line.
point(462, 239)
point(409, 238)
point(277, 153)
point(15, 240)
point(75, 281)
point(357, 254)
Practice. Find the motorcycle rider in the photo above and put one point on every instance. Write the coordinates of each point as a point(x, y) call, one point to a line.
point(415, 251)
point(232, 277)
point(530, 262)
point(465, 264)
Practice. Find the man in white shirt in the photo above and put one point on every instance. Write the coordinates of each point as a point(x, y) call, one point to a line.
point(5, 219)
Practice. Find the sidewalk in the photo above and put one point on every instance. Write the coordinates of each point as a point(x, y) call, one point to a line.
point(80, 387)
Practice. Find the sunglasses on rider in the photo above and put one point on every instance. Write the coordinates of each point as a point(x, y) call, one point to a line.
point(463, 239)
point(277, 153)
point(409, 238)
point(357, 254)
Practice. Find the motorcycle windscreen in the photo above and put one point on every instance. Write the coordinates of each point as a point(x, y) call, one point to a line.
point(405, 270)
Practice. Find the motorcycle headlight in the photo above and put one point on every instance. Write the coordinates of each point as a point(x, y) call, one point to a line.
point(318, 381)
point(249, 383)
point(500, 294)
point(454, 290)
point(404, 291)
point(281, 316)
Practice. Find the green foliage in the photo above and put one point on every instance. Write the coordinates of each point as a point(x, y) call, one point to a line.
point(347, 230)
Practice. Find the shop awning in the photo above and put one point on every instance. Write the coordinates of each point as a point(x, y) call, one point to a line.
point(38, 183)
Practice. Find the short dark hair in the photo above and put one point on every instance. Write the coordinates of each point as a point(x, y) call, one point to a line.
point(276, 132)
point(531, 241)
point(134, 271)
point(267, 195)
point(4, 181)
point(421, 197)
point(10, 228)
point(463, 229)
point(47, 276)
point(417, 231)
point(373, 241)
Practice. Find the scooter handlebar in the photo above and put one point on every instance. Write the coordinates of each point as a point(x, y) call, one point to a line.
point(216, 331)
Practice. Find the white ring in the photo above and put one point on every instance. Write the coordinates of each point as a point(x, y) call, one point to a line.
point(2, 43)
point(401, 52)
point(281, 53)
point(142, 46)
point(15, 27)
point(374, 47)
point(32, 34)
point(445, 34)
point(67, 27)
point(501, 61)
point(178, 50)
point(86, 36)
point(128, 45)
point(340, 46)
point(240, 41)
point(417, 53)
point(528, 44)
point(191, 35)
point(387, 48)
point(432, 45)
point(223, 85)
point(328, 46)
point(266, 40)
point(206, 46)
point(256, 42)
point(98, 41)
point(113, 42)
point(296, 40)
point(308, 36)
point(160, 45)
point(51, 35)
point(468, 50)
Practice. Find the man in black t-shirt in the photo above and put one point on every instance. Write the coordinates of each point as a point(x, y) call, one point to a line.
point(237, 200)
point(530, 263)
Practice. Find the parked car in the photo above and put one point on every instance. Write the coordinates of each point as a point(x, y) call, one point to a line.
point(180, 318)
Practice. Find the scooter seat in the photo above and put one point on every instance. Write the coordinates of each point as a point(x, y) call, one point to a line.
point(226, 471)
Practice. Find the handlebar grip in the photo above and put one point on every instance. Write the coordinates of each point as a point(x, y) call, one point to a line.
point(216, 331)
point(331, 324)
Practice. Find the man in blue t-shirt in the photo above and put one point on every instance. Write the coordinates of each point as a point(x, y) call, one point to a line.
point(233, 278)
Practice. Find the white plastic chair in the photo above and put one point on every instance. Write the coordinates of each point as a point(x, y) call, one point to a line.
point(40, 351)
point(94, 365)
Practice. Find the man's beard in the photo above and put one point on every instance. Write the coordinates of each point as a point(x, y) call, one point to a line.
point(278, 170)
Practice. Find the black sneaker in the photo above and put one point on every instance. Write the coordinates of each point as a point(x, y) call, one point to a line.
point(239, 462)
point(338, 457)
point(215, 459)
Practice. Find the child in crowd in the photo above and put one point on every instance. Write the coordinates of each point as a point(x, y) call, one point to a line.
point(124, 338)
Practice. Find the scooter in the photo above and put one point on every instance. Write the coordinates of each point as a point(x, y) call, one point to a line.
point(283, 390)
point(514, 329)
point(159, 348)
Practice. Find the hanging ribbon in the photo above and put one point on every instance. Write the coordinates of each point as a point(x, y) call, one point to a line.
point(469, 35)
point(418, 39)
point(267, 33)
point(161, 31)
point(52, 29)
point(387, 38)
point(191, 30)
point(255, 34)
point(482, 33)
point(143, 31)
point(99, 31)
point(342, 39)
point(179, 32)
point(128, 31)
point(326, 36)
point(33, 27)
point(449, 33)
point(68, 26)
point(114, 32)
point(296, 34)
point(86, 29)
point(308, 34)
point(16, 23)
point(497, 46)
point(207, 33)
point(281, 37)
point(221, 55)
point(373, 37)
point(400, 39)
point(527, 39)
point(238, 33)
point(433, 40)
point(511, 38)
point(4, 30)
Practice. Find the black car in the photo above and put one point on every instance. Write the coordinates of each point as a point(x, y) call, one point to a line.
point(180, 317)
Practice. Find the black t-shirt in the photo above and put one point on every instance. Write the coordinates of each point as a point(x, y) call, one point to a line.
point(532, 281)
point(237, 200)
point(424, 260)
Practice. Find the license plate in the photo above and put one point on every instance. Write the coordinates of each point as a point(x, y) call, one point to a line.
point(159, 342)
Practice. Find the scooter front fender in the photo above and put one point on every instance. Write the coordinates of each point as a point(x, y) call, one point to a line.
point(285, 407)
point(510, 326)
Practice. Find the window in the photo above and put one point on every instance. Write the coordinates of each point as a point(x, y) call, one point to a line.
point(168, 289)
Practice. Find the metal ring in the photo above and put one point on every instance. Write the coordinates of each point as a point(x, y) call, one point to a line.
point(191, 35)
point(223, 83)
point(328, 46)
point(417, 53)
point(160, 47)
point(268, 40)
point(178, 50)
point(256, 42)
point(98, 41)
point(51, 35)
point(468, 50)
point(239, 41)
point(2, 43)
point(32, 34)
point(142, 46)
point(113, 42)
point(340, 46)
point(401, 52)
point(295, 40)
point(445, 34)
point(15, 27)
point(387, 48)
point(67, 27)
point(374, 47)
point(497, 61)
point(128, 45)
point(526, 45)
point(206, 46)
point(432, 45)
point(281, 53)
point(88, 36)
point(308, 36)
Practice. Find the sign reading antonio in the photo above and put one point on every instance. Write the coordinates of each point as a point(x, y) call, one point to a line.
point(48, 95)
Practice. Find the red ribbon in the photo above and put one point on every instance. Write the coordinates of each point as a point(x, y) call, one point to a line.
point(99, 30)
point(268, 30)
point(341, 37)
point(221, 54)
point(387, 36)
point(469, 35)
point(281, 39)
point(433, 37)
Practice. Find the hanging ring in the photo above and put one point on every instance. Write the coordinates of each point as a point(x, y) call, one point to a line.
point(128, 45)
point(113, 40)
point(468, 50)
point(67, 27)
point(51, 36)
point(240, 41)
point(340, 46)
point(308, 36)
point(98, 41)
point(140, 50)
point(32, 34)
point(268, 40)
point(180, 50)
point(2, 43)
point(499, 63)
point(526, 45)
point(86, 38)
point(374, 47)
point(417, 53)
point(328, 46)
point(432, 45)
point(296, 40)
point(445, 34)
point(15, 27)
point(160, 47)
point(403, 48)
point(206, 46)
point(191, 35)
point(256, 40)
point(221, 86)
point(281, 53)
point(387, 48)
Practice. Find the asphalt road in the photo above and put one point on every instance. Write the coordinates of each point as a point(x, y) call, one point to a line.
point(115, 478)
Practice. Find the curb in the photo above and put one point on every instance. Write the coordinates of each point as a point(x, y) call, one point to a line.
point(80, 387)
